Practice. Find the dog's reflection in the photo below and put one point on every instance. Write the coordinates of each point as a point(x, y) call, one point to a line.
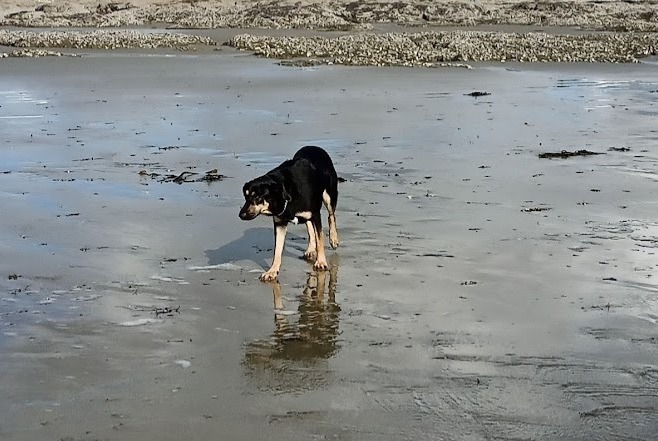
point(302, 340)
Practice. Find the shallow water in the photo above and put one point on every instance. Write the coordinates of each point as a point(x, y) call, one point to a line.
point(450, 312)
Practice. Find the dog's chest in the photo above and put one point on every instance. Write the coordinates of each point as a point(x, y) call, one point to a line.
point(301, 216)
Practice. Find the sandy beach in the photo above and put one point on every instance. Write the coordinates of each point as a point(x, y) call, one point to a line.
point(494, 279)
point(131, 307)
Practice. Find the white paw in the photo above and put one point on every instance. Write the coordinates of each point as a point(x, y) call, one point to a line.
point(320, 265)
point(269, 276)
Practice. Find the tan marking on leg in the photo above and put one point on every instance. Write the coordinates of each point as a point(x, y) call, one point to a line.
point(279, 241)
point(321, 261)
point(333, 231)
point(311, 253)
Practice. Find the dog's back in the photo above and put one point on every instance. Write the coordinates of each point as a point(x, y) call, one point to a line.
point(316, 155)
point(324, 166)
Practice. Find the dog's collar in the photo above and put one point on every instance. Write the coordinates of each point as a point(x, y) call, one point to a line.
point(285, 205)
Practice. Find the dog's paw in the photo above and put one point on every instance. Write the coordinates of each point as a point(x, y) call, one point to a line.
point(320, 265)
point(269, 276)
point(310, 255)
point(333, 238)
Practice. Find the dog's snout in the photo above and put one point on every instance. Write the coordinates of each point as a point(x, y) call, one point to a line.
point(247, 212)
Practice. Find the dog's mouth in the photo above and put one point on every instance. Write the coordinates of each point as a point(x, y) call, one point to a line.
point(247, 215)
point(251, 210)
point(248, 212)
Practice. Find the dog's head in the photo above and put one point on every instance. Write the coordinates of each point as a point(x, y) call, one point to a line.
point(263, 195)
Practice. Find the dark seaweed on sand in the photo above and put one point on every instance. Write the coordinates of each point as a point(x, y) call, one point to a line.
point(186, 176)
point(567, 154)
point(477, 94)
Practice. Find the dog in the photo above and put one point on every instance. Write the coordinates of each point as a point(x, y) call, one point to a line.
point(294, 192)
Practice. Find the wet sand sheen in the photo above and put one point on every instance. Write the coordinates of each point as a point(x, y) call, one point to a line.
point(457, 306)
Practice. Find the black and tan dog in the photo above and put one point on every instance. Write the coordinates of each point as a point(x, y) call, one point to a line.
point(294, 192)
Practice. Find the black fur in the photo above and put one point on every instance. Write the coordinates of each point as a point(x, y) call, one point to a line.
point(293, 192)
point(294, 186)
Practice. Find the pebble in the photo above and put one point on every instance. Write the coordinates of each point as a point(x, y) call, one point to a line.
point(183, 363)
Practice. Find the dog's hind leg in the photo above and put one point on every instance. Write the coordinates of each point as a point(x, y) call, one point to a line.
point(321, 260)
point(330, 203)
point(311, 251)
point(280, 230)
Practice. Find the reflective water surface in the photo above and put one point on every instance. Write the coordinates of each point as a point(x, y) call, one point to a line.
point(479, 291)
point(296, 355)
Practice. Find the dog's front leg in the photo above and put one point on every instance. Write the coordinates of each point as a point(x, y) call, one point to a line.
point(321, 259)
point(311, 251)
point(280, 228)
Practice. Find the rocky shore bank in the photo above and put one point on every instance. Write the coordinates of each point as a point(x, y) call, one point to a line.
point(336, 15)
point(412, 49)
point(608, 31)
point(431, 48)
point(101, 39)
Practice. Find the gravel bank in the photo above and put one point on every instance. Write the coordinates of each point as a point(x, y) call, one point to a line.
point(430, 48)
point(631, 29)
point(101, 39)
point(29, 53)
point(337, 14)
point(427, 49)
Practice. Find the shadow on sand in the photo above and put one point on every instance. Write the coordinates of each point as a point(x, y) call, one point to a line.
point(255, 245)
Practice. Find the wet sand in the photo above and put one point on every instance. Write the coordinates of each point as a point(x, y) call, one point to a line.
point(457, 307)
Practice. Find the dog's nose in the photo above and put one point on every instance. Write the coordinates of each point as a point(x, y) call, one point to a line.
point(242, 215)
